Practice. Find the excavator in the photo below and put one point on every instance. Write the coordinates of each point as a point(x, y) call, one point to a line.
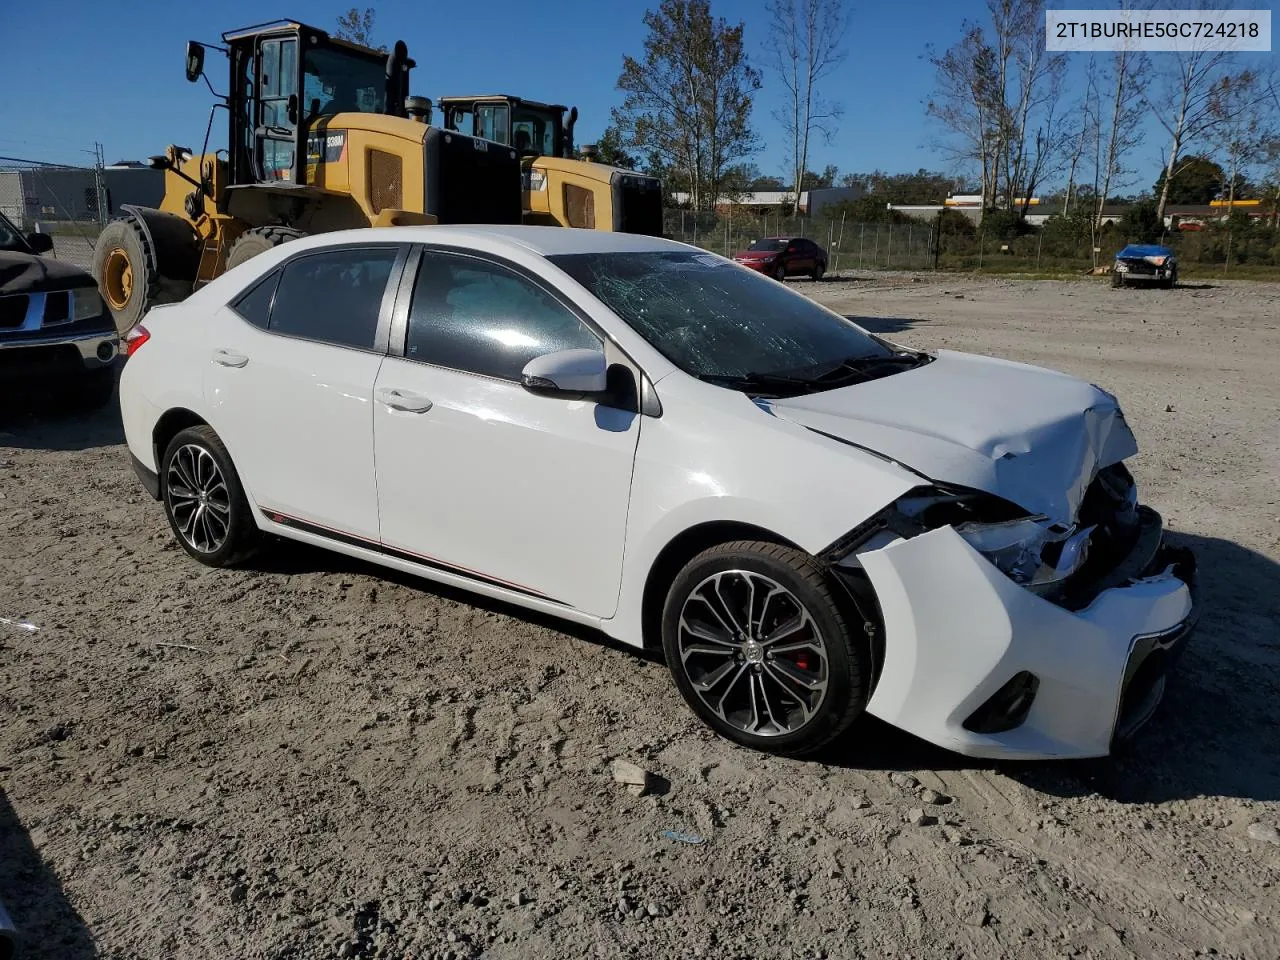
point(559, 185)
point(322, 135)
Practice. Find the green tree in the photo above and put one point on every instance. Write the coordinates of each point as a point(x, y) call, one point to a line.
point(1142, 223)
point(687, 99)
point(357, 27)
point(611, 150)
point(1196, 180)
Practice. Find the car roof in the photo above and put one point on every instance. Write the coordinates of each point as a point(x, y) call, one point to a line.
point(545, 241)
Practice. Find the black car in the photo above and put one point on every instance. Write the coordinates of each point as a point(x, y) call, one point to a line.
point(56, 335)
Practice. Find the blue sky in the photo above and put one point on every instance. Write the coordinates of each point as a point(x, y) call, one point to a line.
point(113, 71)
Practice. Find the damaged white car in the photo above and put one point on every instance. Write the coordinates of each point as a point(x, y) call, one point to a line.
point(627, 432)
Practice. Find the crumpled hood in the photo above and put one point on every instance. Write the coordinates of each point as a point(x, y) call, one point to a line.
point(1033, 436)
point(28, 273)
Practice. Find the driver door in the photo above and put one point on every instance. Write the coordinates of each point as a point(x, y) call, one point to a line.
point(277, 122)
point(481, 478)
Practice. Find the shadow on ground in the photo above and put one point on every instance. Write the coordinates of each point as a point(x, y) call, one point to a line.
point(1214, 735)
point(48, 926)
point(42, 420)
point(886, 324)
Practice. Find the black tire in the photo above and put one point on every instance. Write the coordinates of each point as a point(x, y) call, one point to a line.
point(1117, 280)
point(242, 537)
point(820, 268)
point(844, 641)
point(1172, 281)
point(780, 272)
point(259, 240)
point(122, 261)
point(95, 389)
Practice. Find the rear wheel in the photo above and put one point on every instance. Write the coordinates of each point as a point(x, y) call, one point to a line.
point(204, 500)
point(761, 650)
point(122, 262)
point(259, 240)
point(819, 269)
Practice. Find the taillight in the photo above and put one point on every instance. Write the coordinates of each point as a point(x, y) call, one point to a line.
point(135, 338)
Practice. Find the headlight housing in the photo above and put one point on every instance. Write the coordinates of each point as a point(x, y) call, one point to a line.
point(85, 304)
point(1031, 551)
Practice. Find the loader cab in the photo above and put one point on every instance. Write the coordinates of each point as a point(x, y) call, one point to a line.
point(287, 76)
point(533, 129)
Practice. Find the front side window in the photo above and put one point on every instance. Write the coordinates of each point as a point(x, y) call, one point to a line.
point(716, 320)
point(534, 132)
point(334, 297)
point(484, 318)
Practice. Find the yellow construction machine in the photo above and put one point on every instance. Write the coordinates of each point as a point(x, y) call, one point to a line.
point(558, 188)
point(322, 135)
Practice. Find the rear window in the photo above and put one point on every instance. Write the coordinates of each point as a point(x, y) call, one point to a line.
point(334, 297)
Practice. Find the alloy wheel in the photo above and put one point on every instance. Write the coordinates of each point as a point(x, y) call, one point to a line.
point(198, 498)
point(753, 653)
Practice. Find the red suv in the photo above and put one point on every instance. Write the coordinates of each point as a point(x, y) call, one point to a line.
point(782, 257)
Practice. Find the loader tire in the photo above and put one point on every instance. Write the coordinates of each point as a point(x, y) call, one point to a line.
point(122, 260)
point(259, 240)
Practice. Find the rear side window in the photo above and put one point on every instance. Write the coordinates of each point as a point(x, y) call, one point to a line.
point(334, 297)
point(481, 317)
point(255, 304)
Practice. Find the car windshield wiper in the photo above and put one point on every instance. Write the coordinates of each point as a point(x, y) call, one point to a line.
point(761, 382)
point(870, 367)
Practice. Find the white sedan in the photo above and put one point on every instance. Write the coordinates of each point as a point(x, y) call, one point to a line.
point(627, 432)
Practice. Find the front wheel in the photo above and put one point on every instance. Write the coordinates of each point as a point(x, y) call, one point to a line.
point(1117, 280)
point(780, 272)
point(204, 500)
point(761, 649)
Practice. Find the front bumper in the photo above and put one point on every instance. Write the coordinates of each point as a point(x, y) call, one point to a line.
point(759, 266)
point(957, 631)
point(1143, 271)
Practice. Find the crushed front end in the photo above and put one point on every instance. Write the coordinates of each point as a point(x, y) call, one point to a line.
point(1007, 634)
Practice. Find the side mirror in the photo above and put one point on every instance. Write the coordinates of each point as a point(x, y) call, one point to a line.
point(40, 242)
point(195, 60)
point(566, 372)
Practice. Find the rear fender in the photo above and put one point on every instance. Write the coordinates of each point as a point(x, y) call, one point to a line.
point(173, 247)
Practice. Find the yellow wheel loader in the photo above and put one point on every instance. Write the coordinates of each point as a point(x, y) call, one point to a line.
point(557, 188)
point(321, 135)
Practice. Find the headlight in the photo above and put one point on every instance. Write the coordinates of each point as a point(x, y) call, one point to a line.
point(1030, 551)
point(85, 303)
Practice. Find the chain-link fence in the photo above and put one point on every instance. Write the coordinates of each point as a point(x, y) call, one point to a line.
point(1240, 245)
point(69, 202)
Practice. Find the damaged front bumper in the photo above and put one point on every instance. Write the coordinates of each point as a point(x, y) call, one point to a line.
point(978, 664)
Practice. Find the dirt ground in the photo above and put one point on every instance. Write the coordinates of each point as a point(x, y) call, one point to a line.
point(316, 758)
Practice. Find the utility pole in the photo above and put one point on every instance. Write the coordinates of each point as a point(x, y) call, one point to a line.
point(99, 161)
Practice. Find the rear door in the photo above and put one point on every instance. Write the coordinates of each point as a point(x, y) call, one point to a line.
point(476, 475)
point(289, 385)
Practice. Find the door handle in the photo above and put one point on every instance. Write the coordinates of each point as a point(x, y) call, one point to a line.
point(405, 400)
point(229, 358)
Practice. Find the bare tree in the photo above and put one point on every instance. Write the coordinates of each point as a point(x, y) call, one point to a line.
point(1240, 134)
point(1083, 133)
point(998, 97)
point(357, 26)
point(1184, 102)
point(804, 46)
point(688, 101)
point(966, 104)
point(1122, 126)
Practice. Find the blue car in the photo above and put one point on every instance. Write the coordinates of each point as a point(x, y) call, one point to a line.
point(1145, 263)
